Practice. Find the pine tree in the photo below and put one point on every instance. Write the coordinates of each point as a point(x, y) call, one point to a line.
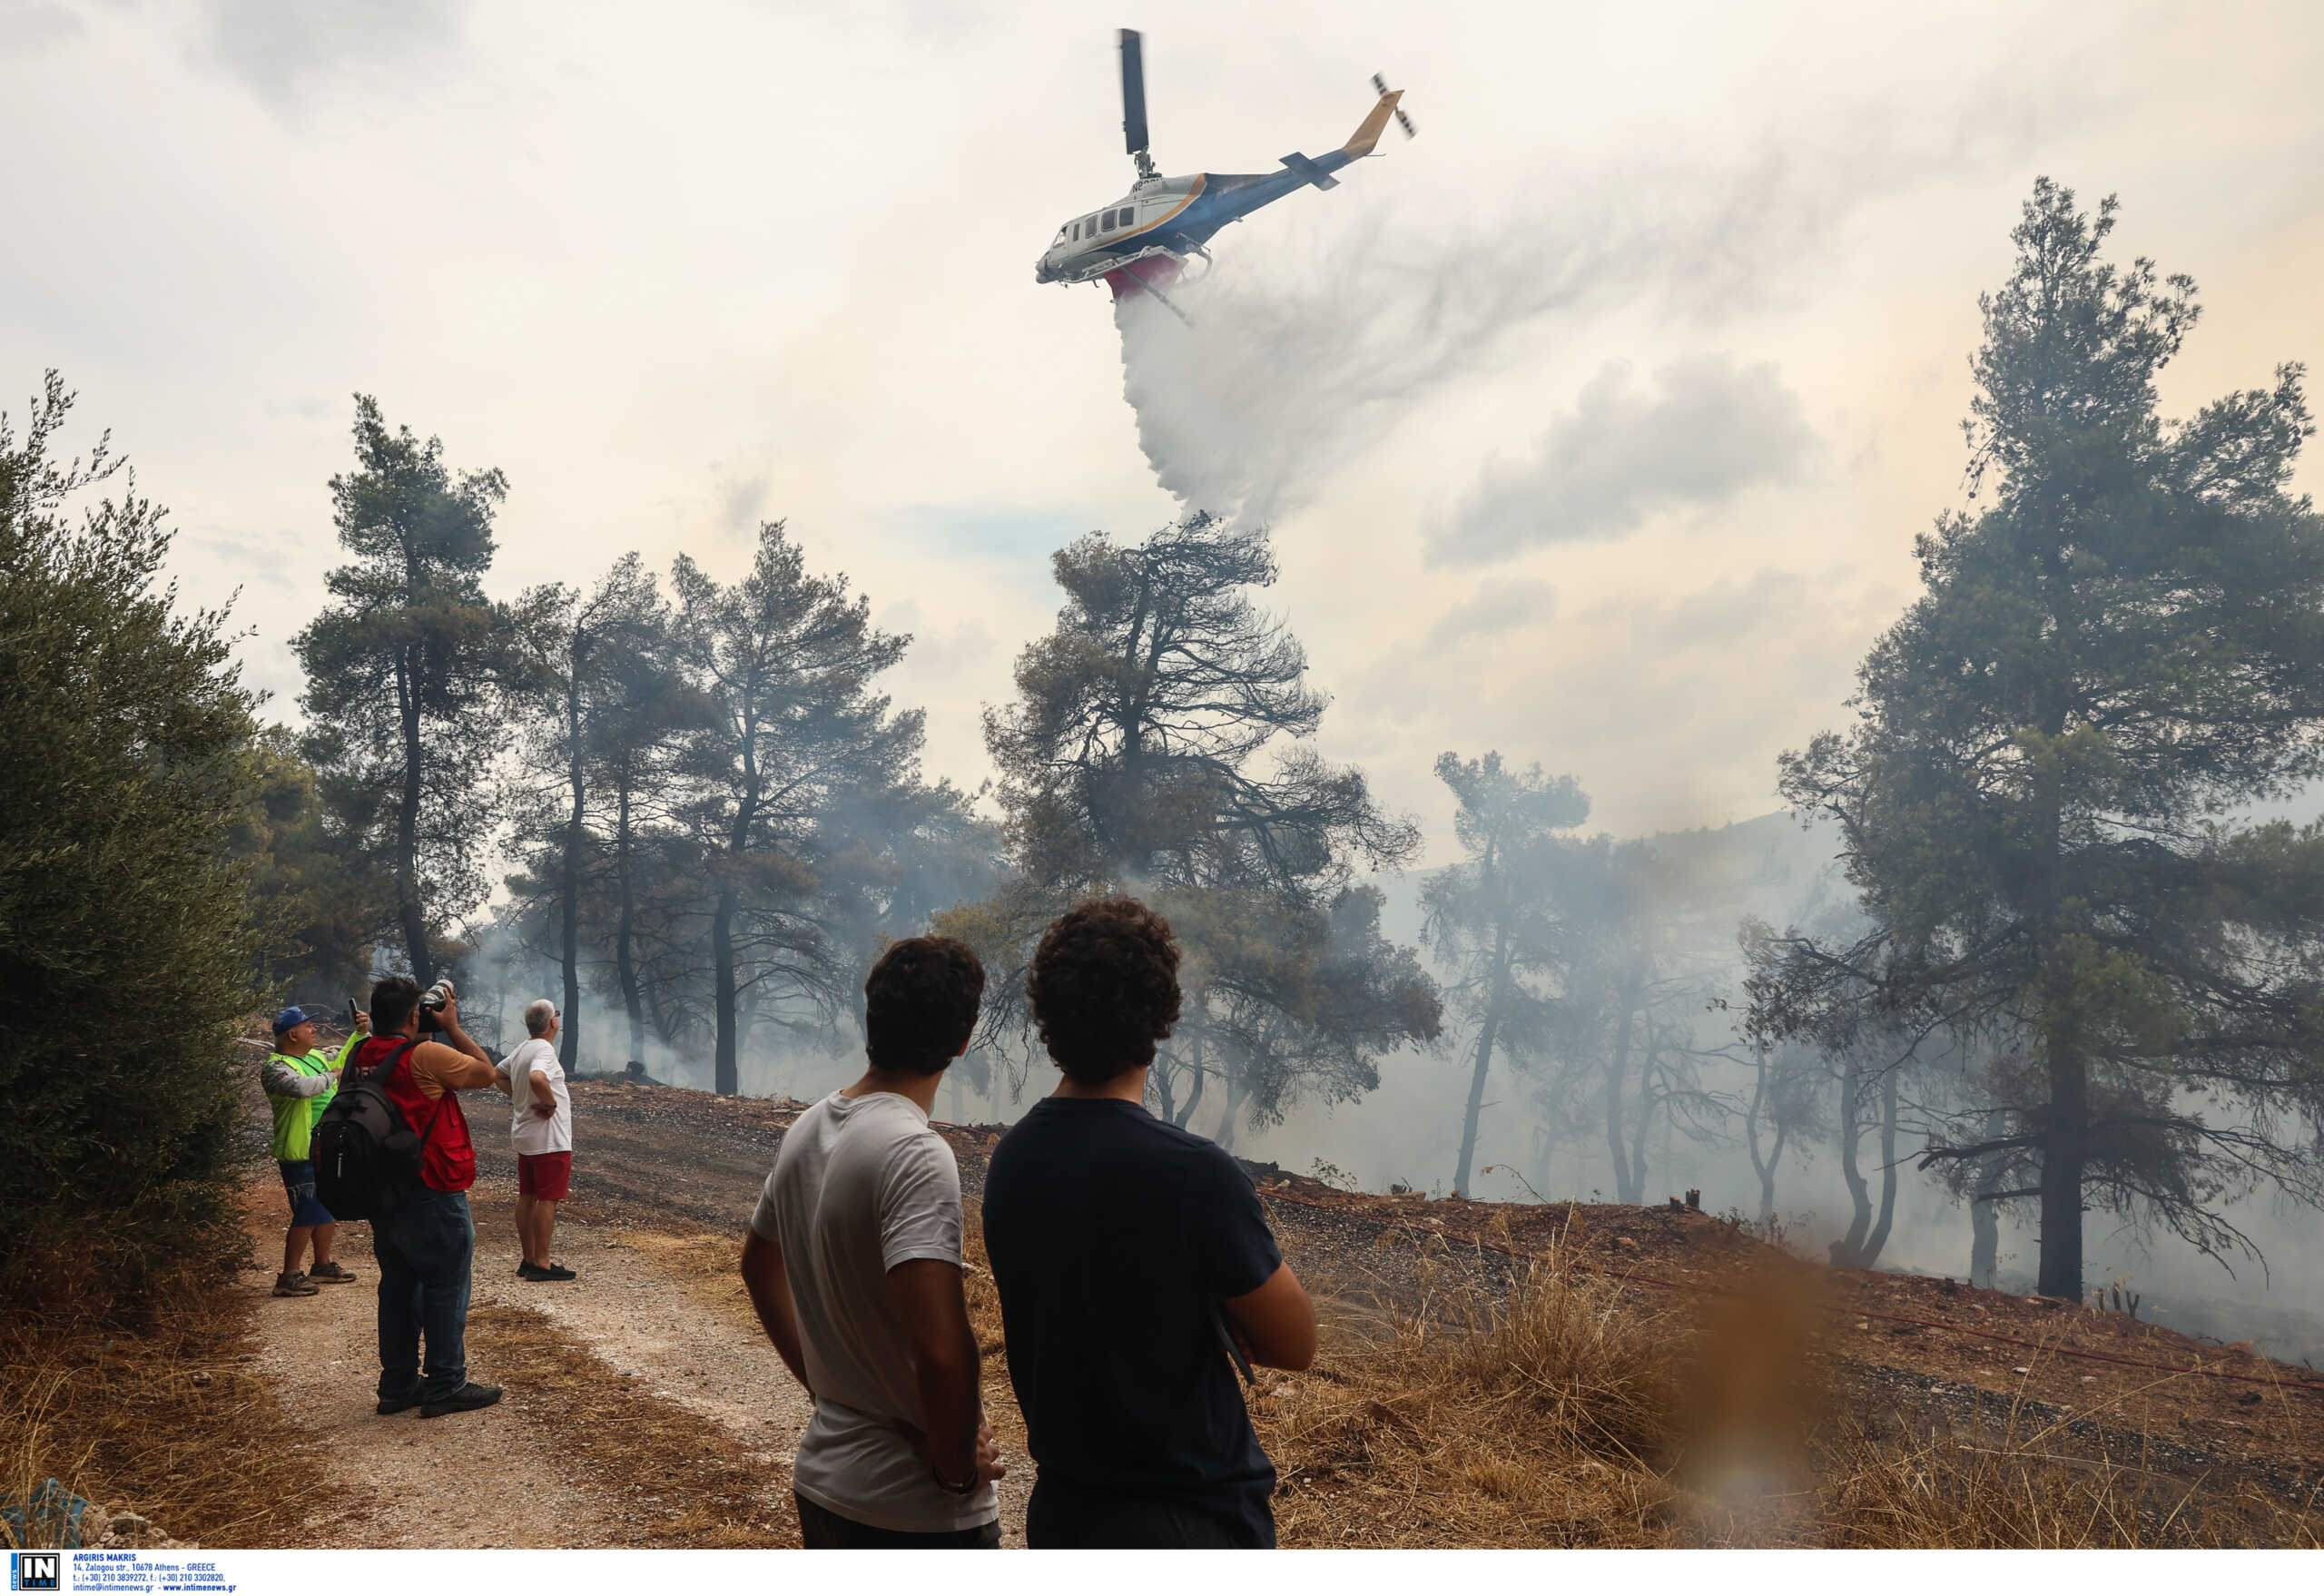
point(787, 662)
point(399, 675)
point(1158, 746)
point(1496, 916)
point(582, 674)
point(2119, 651)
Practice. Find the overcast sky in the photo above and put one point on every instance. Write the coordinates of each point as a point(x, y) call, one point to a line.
point(1594, 425)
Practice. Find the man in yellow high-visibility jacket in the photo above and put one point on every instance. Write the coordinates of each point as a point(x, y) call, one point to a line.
point(300, 1081)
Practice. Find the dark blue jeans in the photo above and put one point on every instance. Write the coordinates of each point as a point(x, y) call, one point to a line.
point(423, 1249)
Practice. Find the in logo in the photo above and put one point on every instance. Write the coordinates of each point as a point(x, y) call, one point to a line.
point(35, 1570)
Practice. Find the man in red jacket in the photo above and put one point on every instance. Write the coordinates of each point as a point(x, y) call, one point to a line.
point(426, 1247)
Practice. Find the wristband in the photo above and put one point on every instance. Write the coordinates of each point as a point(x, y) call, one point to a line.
point(949, 1488)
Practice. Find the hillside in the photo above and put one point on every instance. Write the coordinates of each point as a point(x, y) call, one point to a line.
point(646, 1404)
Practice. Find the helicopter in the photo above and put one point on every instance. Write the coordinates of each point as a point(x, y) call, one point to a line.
point(1141, 242)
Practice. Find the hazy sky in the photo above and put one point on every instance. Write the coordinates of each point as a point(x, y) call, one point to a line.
point(1595, 424)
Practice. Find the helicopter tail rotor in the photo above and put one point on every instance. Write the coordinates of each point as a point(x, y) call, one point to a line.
point(1134, 137)
point(1380, 85)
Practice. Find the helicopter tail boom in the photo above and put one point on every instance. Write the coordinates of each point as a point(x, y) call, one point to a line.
point(1361, 142)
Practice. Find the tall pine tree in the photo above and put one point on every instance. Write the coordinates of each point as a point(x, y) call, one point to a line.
point(400, 674)
point(2113, 658)
point(1159, 745)
point(787, 662)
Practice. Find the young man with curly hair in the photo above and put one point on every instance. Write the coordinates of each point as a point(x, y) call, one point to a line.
point(853, 1264)
point(1127, 1253)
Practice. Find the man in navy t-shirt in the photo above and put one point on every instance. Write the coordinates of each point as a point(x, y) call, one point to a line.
point(1128, 1252)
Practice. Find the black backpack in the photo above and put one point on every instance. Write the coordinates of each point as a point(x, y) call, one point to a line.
point(367, 1156)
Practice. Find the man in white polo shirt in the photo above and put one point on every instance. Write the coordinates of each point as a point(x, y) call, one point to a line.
point(540, 1126)
point(853, 1264)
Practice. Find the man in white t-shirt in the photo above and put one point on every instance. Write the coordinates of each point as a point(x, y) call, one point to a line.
point(853, 1264)
point(540, 1124)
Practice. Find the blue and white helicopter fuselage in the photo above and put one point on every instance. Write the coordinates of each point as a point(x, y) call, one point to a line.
point(1145, 234)
point(1179, 215)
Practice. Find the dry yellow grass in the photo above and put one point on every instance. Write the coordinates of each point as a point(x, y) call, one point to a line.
point(1561, 1408)
point(166, 1419)
point(1565, 1410)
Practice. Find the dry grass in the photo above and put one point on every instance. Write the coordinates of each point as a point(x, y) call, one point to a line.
point(1565, 1410)
point(1887, 1484)
point(692, 1484)
point(710, 1267)
point(167, 1420)
point(707, 1265)
point(1541, 1417)
point(1558, 1408)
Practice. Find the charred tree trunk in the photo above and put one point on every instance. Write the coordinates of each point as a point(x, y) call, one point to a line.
point(626, 926)
point(1764, 1167)
point(1485, 1034)
point(1193, 1093)
point(2066, 1142)
point(410, 910)
point(1158, 1082)
point(568, 1036)
point(728, 1072)
point(1844, 1250)
point(1868, 1254)
point(1768, 1178)
point(1238, 1092)
point(2065, 1130)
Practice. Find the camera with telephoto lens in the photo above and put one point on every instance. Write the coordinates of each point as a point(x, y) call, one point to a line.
point(432, 1004)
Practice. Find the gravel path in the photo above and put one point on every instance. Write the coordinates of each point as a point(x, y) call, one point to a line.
point(643, 1315)
point(506, 1476)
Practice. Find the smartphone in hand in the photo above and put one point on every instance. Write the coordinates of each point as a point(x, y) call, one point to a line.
point(351, 1012)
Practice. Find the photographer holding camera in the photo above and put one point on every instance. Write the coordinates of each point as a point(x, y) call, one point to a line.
point(426, 1246)
point(299, 1082)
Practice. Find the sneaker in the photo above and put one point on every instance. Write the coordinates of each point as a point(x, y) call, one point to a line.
point(553, 1272)
point(396, 1405)
point(331, 1273)
point(295, 1284)
point(471, 1395)
point(531, 1271)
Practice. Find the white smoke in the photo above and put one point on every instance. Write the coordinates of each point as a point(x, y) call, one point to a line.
point(1316, 335)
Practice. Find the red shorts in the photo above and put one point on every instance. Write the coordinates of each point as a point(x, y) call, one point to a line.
point(546, 1175)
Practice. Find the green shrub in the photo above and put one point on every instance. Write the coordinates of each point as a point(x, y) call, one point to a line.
point(128, 956)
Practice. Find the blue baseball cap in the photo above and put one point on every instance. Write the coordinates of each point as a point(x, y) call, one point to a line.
point(293, 1015)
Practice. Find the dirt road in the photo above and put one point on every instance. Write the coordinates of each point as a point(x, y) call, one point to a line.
point(644, 1406)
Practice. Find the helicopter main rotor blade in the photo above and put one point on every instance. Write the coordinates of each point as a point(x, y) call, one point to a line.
point(1133, 91)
